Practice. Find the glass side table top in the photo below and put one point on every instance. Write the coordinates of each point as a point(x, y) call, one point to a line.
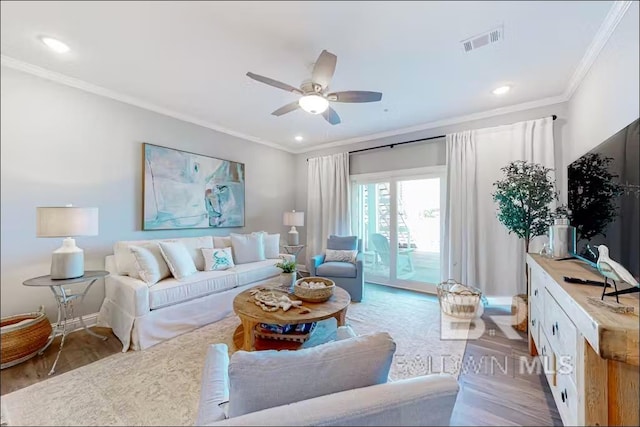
point(48, 281)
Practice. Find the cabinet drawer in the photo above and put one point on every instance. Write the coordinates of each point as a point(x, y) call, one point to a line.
point(537, 289)
point(561, 334)
point(566, 398)
point(547, 357)
point(535, 319)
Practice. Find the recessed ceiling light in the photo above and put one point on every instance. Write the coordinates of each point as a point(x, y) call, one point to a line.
point(298, 138)
point(55, 45)
point(501, 90)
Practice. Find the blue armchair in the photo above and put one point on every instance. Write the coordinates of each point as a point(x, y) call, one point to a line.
point(348, 276)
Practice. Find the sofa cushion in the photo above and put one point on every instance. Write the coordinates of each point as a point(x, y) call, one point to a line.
point(178, 259)
point(172, 291)
point(265, 379)
point(149, 264)
point(125, 261)
point(254, 271)
point(343, 243)
point(217, 259)
point(271, 244)
point(336, 269)
point(247, 247)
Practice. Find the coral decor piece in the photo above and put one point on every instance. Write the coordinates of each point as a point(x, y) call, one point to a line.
point(269, 300)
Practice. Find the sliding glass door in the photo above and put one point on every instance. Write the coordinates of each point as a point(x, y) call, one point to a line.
point(397, 215)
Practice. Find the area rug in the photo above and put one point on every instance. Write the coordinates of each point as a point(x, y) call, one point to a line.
point(161, 385)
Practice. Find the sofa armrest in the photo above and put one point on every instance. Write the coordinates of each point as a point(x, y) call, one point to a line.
point(215, 385)
point(420, 401)
point(316, 261)
point(132, 295)
point(287, 257)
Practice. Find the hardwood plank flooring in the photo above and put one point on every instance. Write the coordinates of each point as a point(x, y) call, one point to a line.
point(79, 349)
point(493, 392)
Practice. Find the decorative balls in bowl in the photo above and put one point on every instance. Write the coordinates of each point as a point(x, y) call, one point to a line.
point(314, 289)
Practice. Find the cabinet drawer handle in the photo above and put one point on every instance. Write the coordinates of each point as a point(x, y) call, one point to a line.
point(544, 350)
point(535, 293)
point(564, 396)
point(533, 322)
point(553, 329)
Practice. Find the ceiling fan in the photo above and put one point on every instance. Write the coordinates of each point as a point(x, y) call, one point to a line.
point(315, 99)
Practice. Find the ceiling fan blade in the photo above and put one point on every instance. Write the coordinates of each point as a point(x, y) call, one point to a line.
point(324, 68)
point(355, 96)
point(286, 109)
point(274, 83)
point(331, 116)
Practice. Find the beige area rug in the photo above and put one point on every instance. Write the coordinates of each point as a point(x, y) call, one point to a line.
point(161, 385)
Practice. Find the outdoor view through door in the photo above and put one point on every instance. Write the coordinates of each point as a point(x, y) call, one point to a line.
point(399, 222)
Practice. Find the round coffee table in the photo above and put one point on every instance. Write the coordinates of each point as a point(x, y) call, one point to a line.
point(250, 314)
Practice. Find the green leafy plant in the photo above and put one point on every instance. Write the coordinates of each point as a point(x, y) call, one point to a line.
point(523, 197)
point(287, 266)
point(593, 193)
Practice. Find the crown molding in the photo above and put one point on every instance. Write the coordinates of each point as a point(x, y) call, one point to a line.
point(441, 123)
point(108, 93)
point(608, 26)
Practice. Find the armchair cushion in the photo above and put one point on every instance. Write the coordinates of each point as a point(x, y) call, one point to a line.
point(343, 243)
point(336, 269)
point(264, 379)
point(341, 256)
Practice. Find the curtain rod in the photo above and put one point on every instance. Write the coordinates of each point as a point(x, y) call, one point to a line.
point(393, 144)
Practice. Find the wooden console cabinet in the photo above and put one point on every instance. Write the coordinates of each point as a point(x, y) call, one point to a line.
point(590, 353)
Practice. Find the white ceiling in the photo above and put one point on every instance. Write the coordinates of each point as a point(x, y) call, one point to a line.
point(189, 59)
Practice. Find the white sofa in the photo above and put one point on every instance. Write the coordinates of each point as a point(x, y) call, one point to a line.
point(142, 316)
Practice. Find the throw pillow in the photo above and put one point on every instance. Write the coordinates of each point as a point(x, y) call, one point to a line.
point(343, 243)
point(271, 245)
point(340, 256)
point(221, 241)
point(217, 259)
point(247, 247)
point(264, 379)
point(178, 259)
point(149, 263)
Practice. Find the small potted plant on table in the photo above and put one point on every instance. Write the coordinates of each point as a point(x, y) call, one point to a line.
point(288, 275)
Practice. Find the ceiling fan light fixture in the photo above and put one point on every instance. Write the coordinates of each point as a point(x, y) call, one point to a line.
point(314, 104)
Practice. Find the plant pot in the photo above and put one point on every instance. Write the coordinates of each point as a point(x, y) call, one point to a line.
point(287, 280)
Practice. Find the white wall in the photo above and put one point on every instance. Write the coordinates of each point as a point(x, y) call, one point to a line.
point(607, 100)
point(422, 154)
point(61, 145)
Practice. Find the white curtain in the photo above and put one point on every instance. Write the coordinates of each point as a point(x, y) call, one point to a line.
point(478, 249)
point(327, 200)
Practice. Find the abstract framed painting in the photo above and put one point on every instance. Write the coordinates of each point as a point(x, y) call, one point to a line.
point(189, 190)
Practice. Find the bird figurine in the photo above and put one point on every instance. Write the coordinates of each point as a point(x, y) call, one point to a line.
point(613, 270)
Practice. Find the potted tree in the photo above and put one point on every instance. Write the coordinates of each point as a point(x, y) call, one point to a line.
point(288, 275)
point(523, 197)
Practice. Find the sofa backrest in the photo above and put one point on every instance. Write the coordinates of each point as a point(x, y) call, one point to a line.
point(125, 261)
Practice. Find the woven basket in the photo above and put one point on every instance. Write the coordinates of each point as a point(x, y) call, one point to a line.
point(314, 295)
point(20, 342)
point(462, 303)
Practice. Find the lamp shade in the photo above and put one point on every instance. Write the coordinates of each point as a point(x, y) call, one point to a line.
point(295, 219)
point(66, 221)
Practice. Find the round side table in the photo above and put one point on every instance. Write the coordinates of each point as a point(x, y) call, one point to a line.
point(64, 300)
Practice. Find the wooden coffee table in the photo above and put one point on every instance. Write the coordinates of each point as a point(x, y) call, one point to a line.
point(250, 314)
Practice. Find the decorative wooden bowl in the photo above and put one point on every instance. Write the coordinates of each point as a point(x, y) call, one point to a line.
point(22, 337)
point(316, 294)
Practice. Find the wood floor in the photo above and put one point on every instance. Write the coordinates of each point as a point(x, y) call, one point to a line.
point(493, 391)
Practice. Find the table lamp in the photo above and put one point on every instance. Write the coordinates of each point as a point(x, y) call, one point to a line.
point(67, 262)
point(293, 219)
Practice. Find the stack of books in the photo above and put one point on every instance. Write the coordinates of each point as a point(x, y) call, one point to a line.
point(297, 333)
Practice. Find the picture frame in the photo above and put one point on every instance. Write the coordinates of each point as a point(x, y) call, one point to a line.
point(185, 190)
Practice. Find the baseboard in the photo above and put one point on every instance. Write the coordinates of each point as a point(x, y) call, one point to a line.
point(74, 324)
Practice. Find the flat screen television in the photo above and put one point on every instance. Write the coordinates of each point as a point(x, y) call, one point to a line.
point(604, 198)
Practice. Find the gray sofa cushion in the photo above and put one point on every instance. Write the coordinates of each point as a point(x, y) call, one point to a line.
point(264, 379)
point(345, 243)
point(336, 269)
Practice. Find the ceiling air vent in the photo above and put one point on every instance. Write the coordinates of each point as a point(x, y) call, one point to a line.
point(492, 36)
